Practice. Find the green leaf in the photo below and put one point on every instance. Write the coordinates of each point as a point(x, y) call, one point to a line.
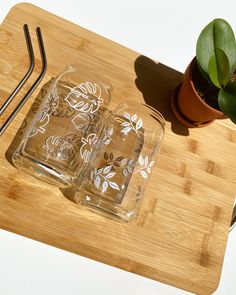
point(227, 101)
point(212, 69)
point(218, 68)
point(218, 34)
point(205, 47)
point(225, 40)
point(223, 67)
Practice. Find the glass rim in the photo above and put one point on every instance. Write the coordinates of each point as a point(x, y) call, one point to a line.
point(75, 67)
point(156, 112)
point(146, 106)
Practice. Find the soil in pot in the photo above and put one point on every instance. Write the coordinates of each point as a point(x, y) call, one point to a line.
point(205, 90)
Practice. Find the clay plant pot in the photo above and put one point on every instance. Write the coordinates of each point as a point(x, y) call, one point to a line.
point(189, 108)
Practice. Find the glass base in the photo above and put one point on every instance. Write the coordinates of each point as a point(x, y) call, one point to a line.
point(42, 171)
point(106, 207)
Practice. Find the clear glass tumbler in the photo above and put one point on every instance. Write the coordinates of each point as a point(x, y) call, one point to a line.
point(58, 143)
point(125, 156)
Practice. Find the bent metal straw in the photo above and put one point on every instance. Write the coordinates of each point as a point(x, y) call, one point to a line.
point(26, 77)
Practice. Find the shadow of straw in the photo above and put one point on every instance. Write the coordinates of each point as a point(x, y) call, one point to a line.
point(157, 83)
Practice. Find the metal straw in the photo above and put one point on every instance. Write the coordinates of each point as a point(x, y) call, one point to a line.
point(233, 221)
point(27, 75)
point(33, 87)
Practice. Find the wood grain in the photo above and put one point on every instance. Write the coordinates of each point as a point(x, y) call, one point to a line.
point(180, 236)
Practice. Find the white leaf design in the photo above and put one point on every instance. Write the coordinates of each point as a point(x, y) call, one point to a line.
point(139, 124)
point(110, 175)
point(104, 186)
point(107, 141)
point(97, 181)
point(85, 97)
point(149, 170)
point(134, 118)
point(125, 173)
point(51, 102)
point(151, 163)
point(59, 148)
point(106, 169)
point(107, 138)
point(126, 130)
point(143, 173)
point(114, 185)
point(146, 160)
point(110, 131)
point(141, 160)
point(56, 140)
point(100, 171)
point(91, 175)
point(127, 116)
point(90, 87)
point(131, 162)
point(84, 108)
point(123, 162)
point(40, 125)
point(125, 124)
point(130, 170)
point(87, 146)
point(81, 103)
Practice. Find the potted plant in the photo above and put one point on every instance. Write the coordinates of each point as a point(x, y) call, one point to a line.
point(208, 91)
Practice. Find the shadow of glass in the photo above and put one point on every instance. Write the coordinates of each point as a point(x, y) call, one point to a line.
point(34, 108)
point(69, 193)
point(157, 83)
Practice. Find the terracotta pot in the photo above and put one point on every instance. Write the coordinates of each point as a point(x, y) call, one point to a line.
point(189, 107)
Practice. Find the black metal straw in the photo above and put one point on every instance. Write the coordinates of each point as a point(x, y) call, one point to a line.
point(233, 221)
point(36, 83)
point(27, 75)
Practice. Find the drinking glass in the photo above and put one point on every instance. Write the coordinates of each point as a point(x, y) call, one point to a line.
point(58, 143)
point(126, 154)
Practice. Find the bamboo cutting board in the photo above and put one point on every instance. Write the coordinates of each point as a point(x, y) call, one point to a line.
point(181, 233)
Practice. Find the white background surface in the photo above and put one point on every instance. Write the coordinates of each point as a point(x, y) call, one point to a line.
point(165, 31)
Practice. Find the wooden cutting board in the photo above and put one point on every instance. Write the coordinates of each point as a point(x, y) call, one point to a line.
point(181, 233)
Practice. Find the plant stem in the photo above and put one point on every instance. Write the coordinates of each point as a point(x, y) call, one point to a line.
point(134, 128)
point(144, 167)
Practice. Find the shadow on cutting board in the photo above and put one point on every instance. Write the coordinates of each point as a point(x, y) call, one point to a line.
point(157, 83)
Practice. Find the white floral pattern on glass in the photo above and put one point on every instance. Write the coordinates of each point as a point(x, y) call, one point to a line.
point(50, 106)
point(85, 97)
point(130, 164)
point(131, 124)
point(51, 103)
point(146, 167)
point(40, 125)
point(107, 138)
point(102, 178)
point(82, 121)
point(60, 148)
point(87, 146)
